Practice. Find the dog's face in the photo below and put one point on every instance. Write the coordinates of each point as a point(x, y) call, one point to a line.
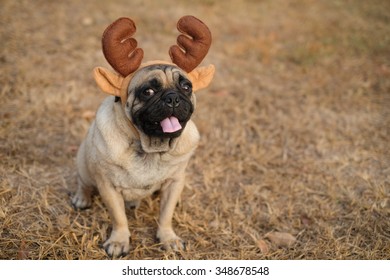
point(160, 100)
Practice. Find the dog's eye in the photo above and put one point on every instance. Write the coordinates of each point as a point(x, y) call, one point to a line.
point(148, 92)
point(186, 87)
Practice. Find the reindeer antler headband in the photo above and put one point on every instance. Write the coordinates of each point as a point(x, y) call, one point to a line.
point(122, 53)
point(120, 48)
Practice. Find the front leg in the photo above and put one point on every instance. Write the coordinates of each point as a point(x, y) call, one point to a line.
point(119, 242)
point(170, 194)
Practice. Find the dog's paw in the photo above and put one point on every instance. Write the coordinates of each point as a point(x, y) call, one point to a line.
point(118, 245)
point(174, 244)
point(81, 201)
point(171, 241)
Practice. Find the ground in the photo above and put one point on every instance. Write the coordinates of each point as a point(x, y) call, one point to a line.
point(294, 158)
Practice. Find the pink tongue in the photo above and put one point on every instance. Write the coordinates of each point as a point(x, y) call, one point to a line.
point(170, 124)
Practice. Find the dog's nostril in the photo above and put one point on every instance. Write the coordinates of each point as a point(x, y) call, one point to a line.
point(172, 99)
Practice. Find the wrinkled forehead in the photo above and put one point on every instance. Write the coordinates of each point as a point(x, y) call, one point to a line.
point(165, 74)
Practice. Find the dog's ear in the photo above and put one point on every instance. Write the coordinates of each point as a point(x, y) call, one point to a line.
point(108, 81)
point(201, 77)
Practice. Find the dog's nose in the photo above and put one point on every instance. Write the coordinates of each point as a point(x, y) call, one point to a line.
point(172, 100)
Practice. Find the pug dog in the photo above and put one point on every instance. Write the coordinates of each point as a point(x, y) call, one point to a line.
point(143, 137)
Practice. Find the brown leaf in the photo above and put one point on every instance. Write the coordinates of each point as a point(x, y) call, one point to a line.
point(87, 21)
point(282, 239)
point(73, 148)
point(88, 115)
point(306, 220)
point(23, 252)
point(221, 92)
point(2, 214)
point(262, 246)
point(63, 221)
point(214, 224)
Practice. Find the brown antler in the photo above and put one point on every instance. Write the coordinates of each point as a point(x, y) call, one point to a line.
point(195, 48)
point(120, 49)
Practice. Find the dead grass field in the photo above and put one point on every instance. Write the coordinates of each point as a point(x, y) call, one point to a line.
point(295, 129)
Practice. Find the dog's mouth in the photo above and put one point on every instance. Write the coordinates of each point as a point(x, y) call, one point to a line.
point(158, 119)
point(170, 125)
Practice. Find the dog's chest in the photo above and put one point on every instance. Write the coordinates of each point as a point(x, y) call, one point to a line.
point(142, 174)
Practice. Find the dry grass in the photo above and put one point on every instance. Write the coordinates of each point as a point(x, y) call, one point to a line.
point(295, 129)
